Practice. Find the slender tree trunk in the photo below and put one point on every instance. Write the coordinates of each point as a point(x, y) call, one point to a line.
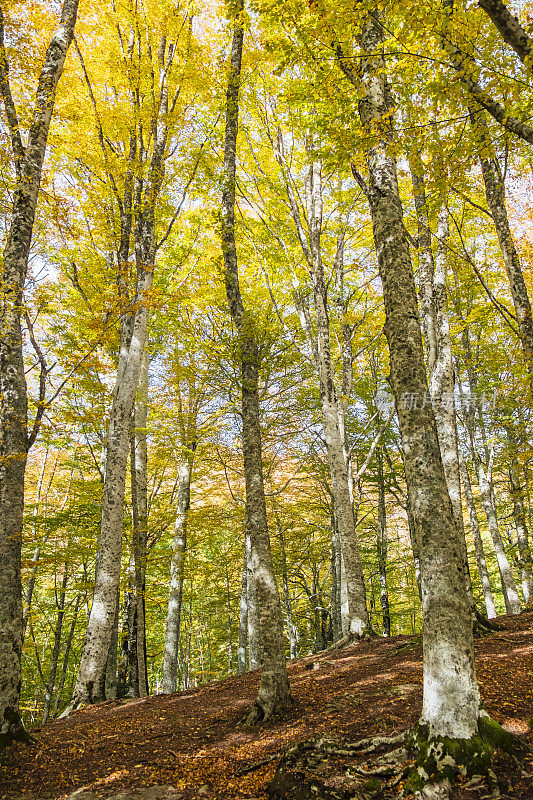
point(66, 655)
point(139, 497)
point(243, 619)
point(111, 668)
point(451, 701)
point(509, 588)
point(274, 693)
point(128, 673)
point(415, 546)
point(37, 552)
point(292, 630)
point(90, 682)
point(50, 686)
point(172, 634)
point(426, 260)
point(478, 542)
point(519, 515)
point(333, 409)
point(15, 440)
point(495, 194)
point(436, 324)
point(254, 644)
point(335, 579)
point(382, 536)
point(230, 624)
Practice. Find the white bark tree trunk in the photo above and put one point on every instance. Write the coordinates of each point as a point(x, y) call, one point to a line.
point(495, 194)
point(274, 693)
point(478, 542)
point(179, 547)
point(382, 541)
point(254, 645)
point(15, 439)
point(451, 702)
point(354, 613)
point(243, 618)
point(90, 680)
point(139, 498)
point(509, 588)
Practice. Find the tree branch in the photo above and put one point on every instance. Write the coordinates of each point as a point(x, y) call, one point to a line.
point(9, 104)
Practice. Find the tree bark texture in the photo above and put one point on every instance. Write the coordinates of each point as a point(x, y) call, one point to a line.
point(139, 503)
point(243, 619)
point(495, 194)
point(519, 515)
point(382, 541)
point(292, 629)
point(179, 548)
point(56, 649)
point(333, 408)
point(15, 439)
point(451, 701)
point(478, 542)
point(510, 29)
point(274, 694)
point(252, 617)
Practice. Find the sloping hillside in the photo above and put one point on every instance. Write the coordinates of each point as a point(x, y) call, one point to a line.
point(194, 743)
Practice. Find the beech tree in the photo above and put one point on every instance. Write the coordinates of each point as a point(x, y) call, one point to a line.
point(16, 438)
point(274, 694)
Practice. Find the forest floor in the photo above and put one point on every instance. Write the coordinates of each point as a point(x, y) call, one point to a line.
point(191, 744)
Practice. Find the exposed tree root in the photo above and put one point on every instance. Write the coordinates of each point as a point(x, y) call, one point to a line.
point(324, 769)
point(483, 626)
point(299, 773)
point(271, 710)
point(348, 639)
point(345, 641)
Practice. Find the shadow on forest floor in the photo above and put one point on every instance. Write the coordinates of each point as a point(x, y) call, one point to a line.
point(193, 741)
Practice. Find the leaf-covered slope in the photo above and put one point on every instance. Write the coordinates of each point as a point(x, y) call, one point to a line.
point(194, 741)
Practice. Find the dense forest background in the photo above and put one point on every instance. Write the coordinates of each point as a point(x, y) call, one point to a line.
point(140, 74)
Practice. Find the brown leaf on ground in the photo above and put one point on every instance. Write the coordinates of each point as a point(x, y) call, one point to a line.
point(194, 742)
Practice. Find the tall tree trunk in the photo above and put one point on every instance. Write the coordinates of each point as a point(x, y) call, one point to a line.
point(509, 589)
point(292, 630)
point(110, 676)
point(50, 686)
point(415, 546)
point(15, 440)
point(436, 325)
point(139, 498)
point(243, 618)
point(254, 643)
point(230, 623)
point(128, 673)
point(90, 681)
point(30, 586)
point(179, 547)
point(335, 579)
point(495, 194)
point(382, 536)
point(451, 701)
point(333, 408)
point(66, 655)
point(274, 693)
point(478, 542)
point(519, 515)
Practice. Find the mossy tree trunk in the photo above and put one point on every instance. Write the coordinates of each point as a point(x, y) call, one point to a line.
point(451, 700)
